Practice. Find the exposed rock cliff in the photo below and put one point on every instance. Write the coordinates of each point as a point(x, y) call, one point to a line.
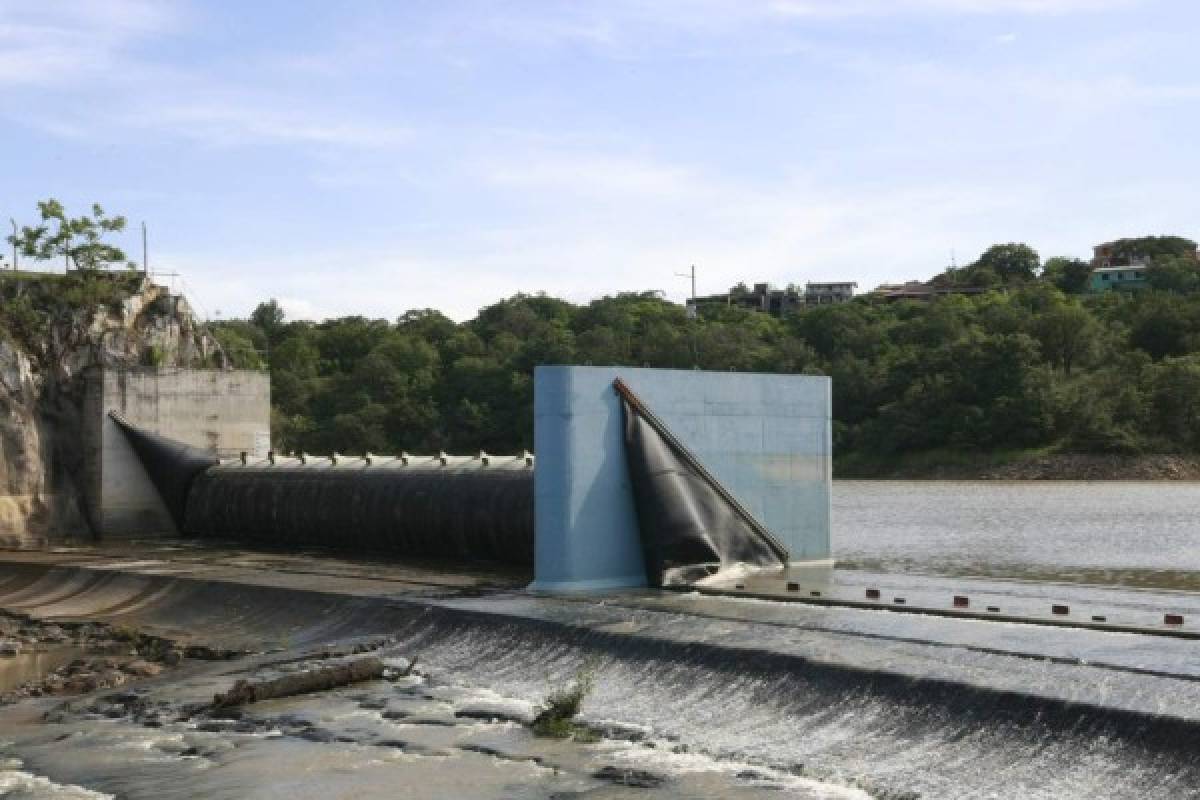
point(52, 329)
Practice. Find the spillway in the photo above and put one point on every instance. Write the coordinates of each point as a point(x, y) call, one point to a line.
point(445, 507)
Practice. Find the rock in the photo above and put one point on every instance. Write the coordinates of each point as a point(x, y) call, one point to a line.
point(112, 678)
point(83, 682)
point(53, 633)
point(143, 669)
point(635, 778)
point(494, 714)
point(615, 730)
point(496, 752)
point(9, 648)
point(172, 657)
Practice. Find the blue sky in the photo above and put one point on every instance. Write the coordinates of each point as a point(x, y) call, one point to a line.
point(371, 157)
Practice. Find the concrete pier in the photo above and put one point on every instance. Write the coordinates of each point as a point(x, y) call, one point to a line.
point(225, 412)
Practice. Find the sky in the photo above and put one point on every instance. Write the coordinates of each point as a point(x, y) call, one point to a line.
point(373, 157)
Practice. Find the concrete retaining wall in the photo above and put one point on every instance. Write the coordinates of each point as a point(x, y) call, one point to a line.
point(767, 438)
point(223, 411)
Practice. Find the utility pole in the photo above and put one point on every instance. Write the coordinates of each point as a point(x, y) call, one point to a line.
point(690, 274)
point(14, 242)
point(145, 258)
point(691, 304)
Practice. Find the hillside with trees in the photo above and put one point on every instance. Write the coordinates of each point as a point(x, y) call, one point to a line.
point(1031, 366)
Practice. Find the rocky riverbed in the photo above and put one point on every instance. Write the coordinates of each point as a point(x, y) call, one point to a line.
point(166, 732)
point(39, 658)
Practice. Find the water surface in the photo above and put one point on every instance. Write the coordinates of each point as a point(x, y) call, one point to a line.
point(1135, 534)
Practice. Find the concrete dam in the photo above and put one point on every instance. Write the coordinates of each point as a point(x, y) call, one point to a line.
point(687, 524)
point(716, 485)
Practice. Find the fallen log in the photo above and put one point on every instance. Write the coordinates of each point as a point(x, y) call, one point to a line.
point(314, 680)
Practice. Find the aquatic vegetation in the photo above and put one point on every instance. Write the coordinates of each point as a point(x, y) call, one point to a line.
point(556, 720)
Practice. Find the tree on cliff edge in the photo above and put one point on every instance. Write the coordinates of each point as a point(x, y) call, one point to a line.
point(79, 241)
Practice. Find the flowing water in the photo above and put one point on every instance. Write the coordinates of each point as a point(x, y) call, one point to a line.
point(759, 700)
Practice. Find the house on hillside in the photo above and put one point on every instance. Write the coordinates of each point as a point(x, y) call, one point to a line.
point(1128, 278)
point(768, 299)
point(821, 294)
point(763, 297)
point(1107, 255)
point(1122, 264)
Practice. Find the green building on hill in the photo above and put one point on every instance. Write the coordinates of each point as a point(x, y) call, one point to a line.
point(1106, 279)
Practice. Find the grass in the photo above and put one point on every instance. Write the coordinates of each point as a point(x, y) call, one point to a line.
point(556, 719)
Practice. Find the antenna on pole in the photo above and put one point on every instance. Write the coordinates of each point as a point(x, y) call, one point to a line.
point(691, 273)
point(953, 259)
point(145, 257)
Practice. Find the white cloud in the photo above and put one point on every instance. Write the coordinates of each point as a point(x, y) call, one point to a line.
point(54, 43)
point(234, 123)
point(592, 174)
point(846, 8)
point(607, 236)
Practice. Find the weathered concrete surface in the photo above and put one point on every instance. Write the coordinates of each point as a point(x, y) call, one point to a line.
point(226, 412)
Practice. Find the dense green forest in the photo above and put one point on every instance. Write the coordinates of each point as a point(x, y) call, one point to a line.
point(1033, 364)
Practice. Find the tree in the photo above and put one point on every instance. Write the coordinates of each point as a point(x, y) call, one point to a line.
point(79, 241)
point(1069, 275)
point(1161, 326)
point(1174, 274)
point(1012, 262)
point(1067, 334)
point(268, 317)
point(1153, 247)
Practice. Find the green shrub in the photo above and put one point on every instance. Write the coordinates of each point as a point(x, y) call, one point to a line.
point(556, 720)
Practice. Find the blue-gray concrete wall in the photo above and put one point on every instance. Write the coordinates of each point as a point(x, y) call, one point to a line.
point(766, 437)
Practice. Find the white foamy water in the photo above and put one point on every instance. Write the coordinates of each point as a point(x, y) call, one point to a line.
point(16, 784)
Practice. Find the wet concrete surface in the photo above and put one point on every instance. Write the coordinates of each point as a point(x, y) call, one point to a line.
point(697, 696)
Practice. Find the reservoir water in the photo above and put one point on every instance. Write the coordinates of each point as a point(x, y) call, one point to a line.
point(1128, 534)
